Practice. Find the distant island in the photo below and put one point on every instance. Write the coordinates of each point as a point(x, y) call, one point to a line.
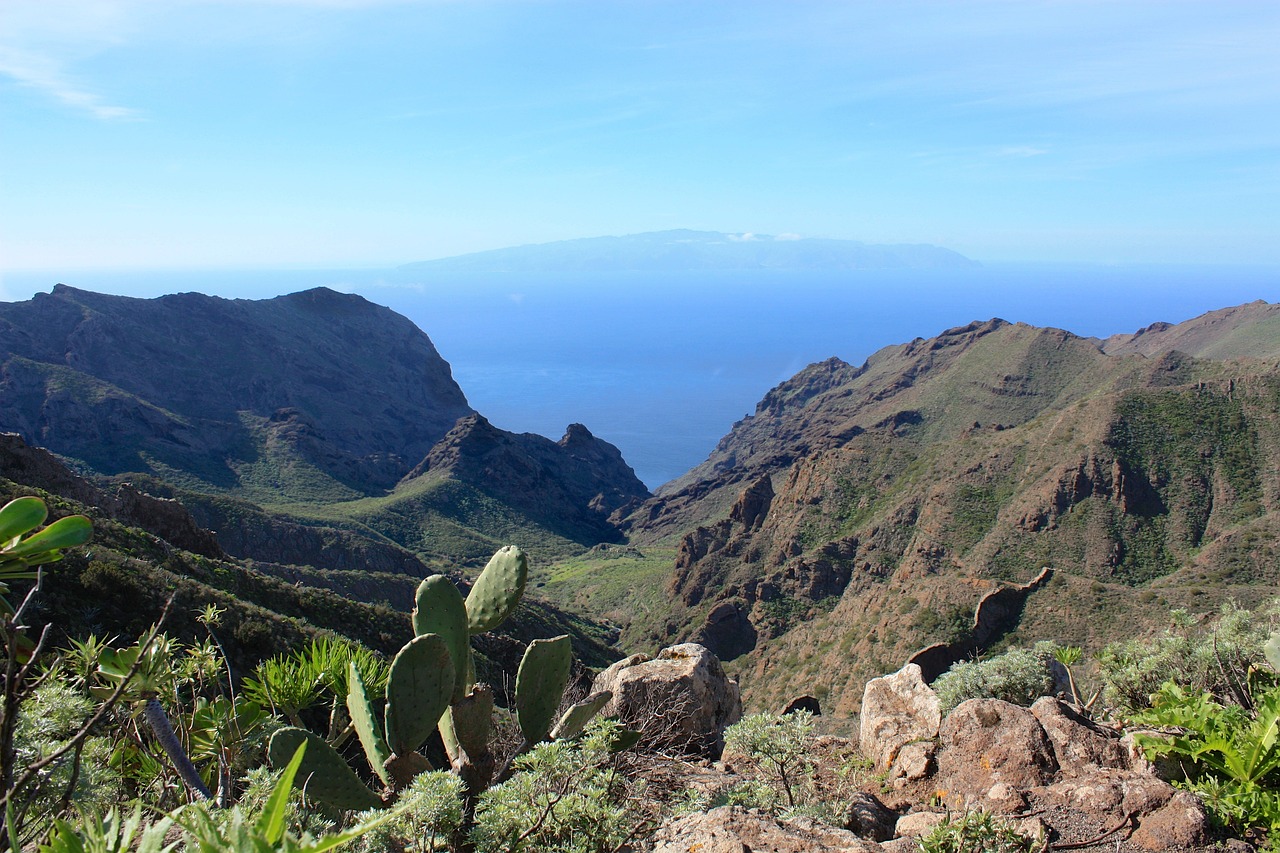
point(686, 250)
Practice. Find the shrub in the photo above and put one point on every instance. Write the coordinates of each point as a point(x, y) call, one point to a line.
point(1019, 676)
point(974, 831)
point(1216, 657)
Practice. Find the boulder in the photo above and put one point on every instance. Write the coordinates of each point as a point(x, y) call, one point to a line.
point(682, 700)
point(734, 830)
point(914, 762)
point(986, 741)
point(869, 818)
point(897, 709)
point(1080, 746)
point(1179, 823)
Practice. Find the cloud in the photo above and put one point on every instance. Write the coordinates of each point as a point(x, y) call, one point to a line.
point(45, 75)
point(40, 41)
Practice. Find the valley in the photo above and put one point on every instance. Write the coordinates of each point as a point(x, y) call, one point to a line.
point(854, 518)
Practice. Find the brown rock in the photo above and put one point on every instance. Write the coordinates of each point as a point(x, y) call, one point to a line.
point(869, 818)
point(1079, 746)
point(896, 710)
point(681, 700)
point(985, 741)
point(734, 830)
point(1180, 823)
point(914, 762)
point(917, 824)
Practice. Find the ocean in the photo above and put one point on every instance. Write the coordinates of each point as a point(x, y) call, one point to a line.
point(663, 365)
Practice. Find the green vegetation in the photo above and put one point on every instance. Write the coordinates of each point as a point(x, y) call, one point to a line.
point(974, 831)
point(1019, 676)
point(1214, 657)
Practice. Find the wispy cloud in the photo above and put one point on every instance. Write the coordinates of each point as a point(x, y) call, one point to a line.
point(44, 74)
point(41, 40)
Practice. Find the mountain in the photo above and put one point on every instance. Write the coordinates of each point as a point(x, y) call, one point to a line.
point(681, 250)
point(333, 413)
point(861, 511)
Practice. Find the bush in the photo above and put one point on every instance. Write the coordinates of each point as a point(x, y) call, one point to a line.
point(566, 797)
point(1019, 676)
point(1216, 658)
point(978, 831)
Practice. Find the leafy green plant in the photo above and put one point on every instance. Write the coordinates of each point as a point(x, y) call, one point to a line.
point(112, 833)
point(1231, 754)
point(1217, 656)
point(564, 797)
point(1019, 676)
point(778, 749)
point(237, 833)
point(23, 548)
point(978, 831)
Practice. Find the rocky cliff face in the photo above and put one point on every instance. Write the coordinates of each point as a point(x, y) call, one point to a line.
point(860, 513)
point(209, 386)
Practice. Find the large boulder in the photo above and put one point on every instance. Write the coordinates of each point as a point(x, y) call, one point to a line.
point(733, 830)
point(897, 709)
point(1080, 745)
point(987, 741)
point(682, 700)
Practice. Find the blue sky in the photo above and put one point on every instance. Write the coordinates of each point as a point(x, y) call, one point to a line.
point(235, 133)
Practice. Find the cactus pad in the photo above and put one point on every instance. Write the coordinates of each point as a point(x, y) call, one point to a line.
point(323, 775)
point(418, 691)
point(439, 609)
point(498, 589)
point(366, 725)
point(540, 682)
point(576, 718)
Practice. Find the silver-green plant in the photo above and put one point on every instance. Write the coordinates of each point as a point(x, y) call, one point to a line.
point(431, 687)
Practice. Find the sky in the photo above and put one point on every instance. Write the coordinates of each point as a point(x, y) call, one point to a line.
point(167, 134)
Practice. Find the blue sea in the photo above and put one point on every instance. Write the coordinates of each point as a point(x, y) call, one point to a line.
point(663, 365)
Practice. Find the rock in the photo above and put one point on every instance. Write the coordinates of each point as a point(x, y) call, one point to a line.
point(1003, 798)
point(1079, 746)
point(1180, 823)
point(733, 830)
point(985, 741)
point(869, 818)
point(916, 824)
point(682, 700)
point(896, 710)
point(914, 762)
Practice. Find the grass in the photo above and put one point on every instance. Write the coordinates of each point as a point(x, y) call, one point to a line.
point(625, 586)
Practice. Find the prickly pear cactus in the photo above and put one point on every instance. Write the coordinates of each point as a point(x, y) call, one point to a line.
point(324, 774)
point(439, 609)
point(576, 718)
point(366, 724)
point(419, 688)
point(498, 590)
point(540, 683)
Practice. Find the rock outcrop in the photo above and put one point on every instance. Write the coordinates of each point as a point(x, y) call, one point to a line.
point(897, 709)
point(681, 700)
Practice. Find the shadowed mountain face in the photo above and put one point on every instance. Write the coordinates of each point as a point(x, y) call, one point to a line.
point(208, 385)
point(860, 512)
point(317, 402)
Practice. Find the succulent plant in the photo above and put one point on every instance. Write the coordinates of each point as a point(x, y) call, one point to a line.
point(431, 688)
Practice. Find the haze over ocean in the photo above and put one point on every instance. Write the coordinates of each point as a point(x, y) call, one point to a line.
point(662, 365)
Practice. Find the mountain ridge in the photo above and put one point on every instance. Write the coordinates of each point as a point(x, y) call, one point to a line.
point(686, 249)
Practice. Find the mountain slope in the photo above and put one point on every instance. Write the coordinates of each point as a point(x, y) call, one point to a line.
point(274, 419)
point(671, 251)
point(861, 511)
